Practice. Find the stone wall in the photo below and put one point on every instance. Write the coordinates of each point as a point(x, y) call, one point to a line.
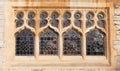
point(117, 41)
point(2, 22)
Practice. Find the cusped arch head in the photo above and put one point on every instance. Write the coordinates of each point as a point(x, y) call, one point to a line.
point(72, 31)
point(48, 32)
point(25, 32)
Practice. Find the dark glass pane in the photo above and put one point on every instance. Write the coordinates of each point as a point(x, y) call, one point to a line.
point(101, 23)
point(71, 43)
point(66, 15)
point(31, 15)
point(66, 23)
point(54, 23)
point(89, 23)
point(77, 15)
point(31, 23)
point(43, 22)
point(90, 15)
point(43, 15)
point(20, 15)
point(24, 43)
point(95, 42)
point(19, 23)
point(77, 23)
point(101, 15)
point(54, 15)
point(48, 42)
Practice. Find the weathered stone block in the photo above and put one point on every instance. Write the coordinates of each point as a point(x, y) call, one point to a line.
point(117, 12)
point(116, 17)
point(117, 6)
point(118, 38)
point(117, 27)
point(118, 33)
point(118, 61)
point(117, 22)
point(1, 29)
point(116, 42)
point(1, 35)
point(2, 16)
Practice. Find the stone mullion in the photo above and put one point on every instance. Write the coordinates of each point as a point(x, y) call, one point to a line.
point(84, 36)
point(37, 34)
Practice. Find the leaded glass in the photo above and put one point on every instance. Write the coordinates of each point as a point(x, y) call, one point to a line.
point(71, 43)
point(48, 42)
point(31, 23)
point(101, 23)
point(43, 22)
point(31, 15)
point(20, 15)
point(100, 15)
point(54, 15)
point(54, 23)
point(24, 43)
point(66, 23)
point(95, 42)
point(77, 15)
point(90, 15)
point(77, 23)
point(43, 15)
point(19, 23)
point(66, 15)
point(89, 23)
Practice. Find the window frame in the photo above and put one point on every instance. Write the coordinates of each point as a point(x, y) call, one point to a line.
point(60, 57)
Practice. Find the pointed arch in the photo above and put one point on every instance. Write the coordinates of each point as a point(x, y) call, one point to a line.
point(48, 42)
point(72, 43)
point(24, 43)
point(95, 42)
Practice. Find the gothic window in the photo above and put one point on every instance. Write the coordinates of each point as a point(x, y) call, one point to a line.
point(89, 21)
point(54, 19)
point(95, 42)
point(101, 21)
point(71, 43)
point(66, 21)
point(77, 20)
point(31, 21)
point(62, 33)
point(48, 42)
point(43, 18)
point(54, 22)
point(24, 43)
point(19, 21)
point(20, 15)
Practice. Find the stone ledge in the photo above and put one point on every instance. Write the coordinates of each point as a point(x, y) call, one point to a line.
point(60, 69)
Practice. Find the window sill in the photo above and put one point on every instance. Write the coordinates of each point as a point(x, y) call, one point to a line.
point(52, 61)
